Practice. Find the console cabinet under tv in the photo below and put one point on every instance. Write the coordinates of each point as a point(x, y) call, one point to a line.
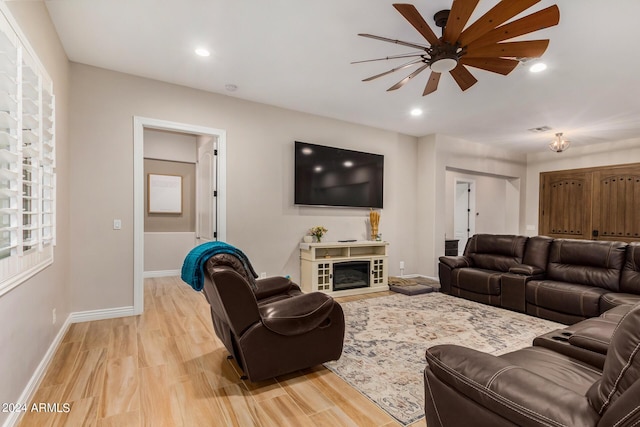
point(341, 269)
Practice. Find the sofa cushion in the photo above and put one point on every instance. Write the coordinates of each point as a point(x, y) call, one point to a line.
point(577, 300)
point(587, 262)
point(477, 280)
point(558, 368)
point(613, 299)
point(630, 278)
point(507, 387)
point(496, 252)
point(622, 365)
point(536, 252)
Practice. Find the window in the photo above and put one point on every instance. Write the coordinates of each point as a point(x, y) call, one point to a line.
point(27, 162)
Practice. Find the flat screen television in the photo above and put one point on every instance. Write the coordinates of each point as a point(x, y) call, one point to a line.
point(329, 176)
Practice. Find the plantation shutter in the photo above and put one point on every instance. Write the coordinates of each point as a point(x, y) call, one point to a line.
point(27, 159)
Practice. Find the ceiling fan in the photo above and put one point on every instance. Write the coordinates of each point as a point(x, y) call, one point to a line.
point(480, 45)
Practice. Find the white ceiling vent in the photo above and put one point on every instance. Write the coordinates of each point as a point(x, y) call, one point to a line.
point(540, 129)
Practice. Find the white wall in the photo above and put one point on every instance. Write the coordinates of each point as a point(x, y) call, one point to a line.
point(613, 153)
point(497, 203)
point(172, 146)
point(436, 154)
point(27, 331)
point(261, 217)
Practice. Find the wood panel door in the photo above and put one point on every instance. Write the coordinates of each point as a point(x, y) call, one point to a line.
point(565, 205)
point(593, 203)
point(616, 196)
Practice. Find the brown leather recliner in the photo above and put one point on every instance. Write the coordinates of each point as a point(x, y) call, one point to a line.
point(273, 329)
point(536, 386)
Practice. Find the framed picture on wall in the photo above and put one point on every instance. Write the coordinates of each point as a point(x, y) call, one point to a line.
point(164, 194)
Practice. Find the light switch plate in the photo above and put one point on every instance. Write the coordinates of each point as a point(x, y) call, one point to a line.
point(117, 224)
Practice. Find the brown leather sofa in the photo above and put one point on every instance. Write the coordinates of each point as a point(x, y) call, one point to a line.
point(538, 386)
point(274, 328)
point(478, 274)
point(562, 280)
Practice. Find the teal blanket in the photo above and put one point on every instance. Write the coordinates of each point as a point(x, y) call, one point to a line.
point(194, 264)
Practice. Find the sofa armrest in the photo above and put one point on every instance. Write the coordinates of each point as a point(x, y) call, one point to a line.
point(518, 395)
point(272, 286)
point(297, 315)
point(526, 270)
point(595, 335)
point(456, 261)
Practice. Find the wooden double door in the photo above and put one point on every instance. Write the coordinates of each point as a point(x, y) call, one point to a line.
point(594, 203)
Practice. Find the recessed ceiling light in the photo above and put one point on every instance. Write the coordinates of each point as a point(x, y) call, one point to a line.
point(348, 164)
point(202, 52)
point(416, 112)
point(318, 169)
point(537, 67)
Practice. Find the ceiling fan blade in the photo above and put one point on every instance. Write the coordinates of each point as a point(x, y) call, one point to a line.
point(459, 15)
point(544, 18)
point(525, 49)
point(463, 77)
point(412, 15)
point(497, 15)
point(495, 65)
point(432, 83)
point(407, 65)
point(389, 57)
point(385, 39)
point(409, 77)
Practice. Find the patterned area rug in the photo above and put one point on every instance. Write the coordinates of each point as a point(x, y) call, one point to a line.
point(386, 339)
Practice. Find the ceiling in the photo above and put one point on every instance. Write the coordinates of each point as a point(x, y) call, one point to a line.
point(298, 54)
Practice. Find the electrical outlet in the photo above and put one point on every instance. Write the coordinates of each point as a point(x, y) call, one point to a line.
point(401, 265)
point(53, 316)
point(263, 275)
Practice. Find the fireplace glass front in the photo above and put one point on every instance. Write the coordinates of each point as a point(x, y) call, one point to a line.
point(350, 275)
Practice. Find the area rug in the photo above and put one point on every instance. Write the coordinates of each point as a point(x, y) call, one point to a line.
point(386, 339)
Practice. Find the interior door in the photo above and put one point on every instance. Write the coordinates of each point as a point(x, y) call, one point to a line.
point(565, 204)
point(206, 190)
point(463, 218)
point(616, 195)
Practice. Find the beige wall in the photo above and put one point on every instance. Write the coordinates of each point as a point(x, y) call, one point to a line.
point(25, 311)
point(164, 222)
point(261, 217)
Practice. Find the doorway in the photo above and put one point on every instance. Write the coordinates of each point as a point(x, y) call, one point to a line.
point(215, 226)
point(464, 220)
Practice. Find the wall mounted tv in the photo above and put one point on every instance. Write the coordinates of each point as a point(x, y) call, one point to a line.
point(329, 176)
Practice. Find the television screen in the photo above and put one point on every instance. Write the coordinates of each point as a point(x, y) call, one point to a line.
point(329, 176)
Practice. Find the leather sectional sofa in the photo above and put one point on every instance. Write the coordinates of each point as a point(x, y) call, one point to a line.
point(563, 280)
point(585, 375)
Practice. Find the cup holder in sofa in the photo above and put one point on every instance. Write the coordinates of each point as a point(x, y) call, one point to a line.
point(566, 333)
point(560, 338)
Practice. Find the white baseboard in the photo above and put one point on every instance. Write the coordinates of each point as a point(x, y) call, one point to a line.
point(108, 313)
point(161, 273)
point(38, 374)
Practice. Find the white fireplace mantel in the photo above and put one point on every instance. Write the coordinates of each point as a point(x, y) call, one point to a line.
point(317, 261)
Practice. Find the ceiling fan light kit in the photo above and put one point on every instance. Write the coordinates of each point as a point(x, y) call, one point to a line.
point(482, 44)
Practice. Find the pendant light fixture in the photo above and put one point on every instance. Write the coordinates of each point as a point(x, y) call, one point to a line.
point(559, 144)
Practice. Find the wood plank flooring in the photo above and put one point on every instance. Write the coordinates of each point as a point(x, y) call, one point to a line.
point(167, 368)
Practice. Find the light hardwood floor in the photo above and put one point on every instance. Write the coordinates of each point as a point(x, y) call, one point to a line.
point(167, 368)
